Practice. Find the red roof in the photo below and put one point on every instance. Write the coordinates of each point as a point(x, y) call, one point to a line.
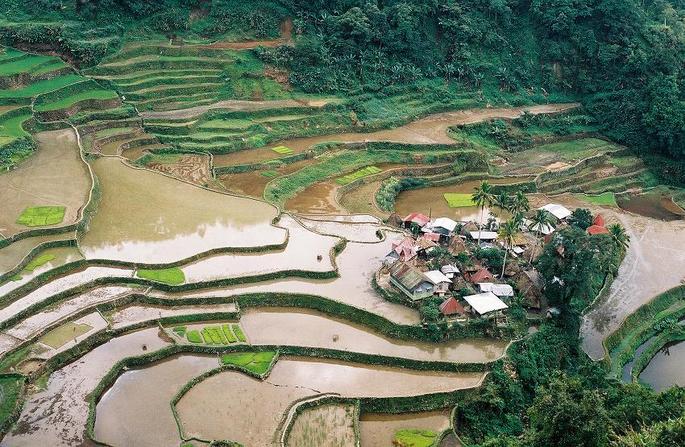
point(599, 220)
point(435, 237)
point(417, 218)
point(482, 275)
point(451, 306)
point(596, 229)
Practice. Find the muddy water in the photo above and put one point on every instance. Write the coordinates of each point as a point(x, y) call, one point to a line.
point(123, 415)
point(29, 327)
point(316, 199)
point(57, 416)
point(137, 314)
point(231, 396)
point(59, 285)
point(345, 218)
point(655, 206)
point(323, 426)
point(429, 130)
point(378, 430)
point(148, 217)
point(253, 183)
point(666, 368)
point(41, 181)
point(13, 254)
point(293, 327)
point(301, 253)
point(430, 201)
point(354, 232)
point(71, 333)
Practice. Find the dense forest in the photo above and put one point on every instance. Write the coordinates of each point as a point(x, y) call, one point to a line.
point(624, 60)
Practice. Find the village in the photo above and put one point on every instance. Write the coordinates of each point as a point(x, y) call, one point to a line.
point(471, 269)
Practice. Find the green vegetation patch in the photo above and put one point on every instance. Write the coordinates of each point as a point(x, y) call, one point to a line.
point(228, 333)
point(414, 438)
point(36, 262)
point(240, 335)
point(364, 172)
point(62, 335)
point(458, 200)
point(172, 276)
point(283, 150)
point(180, 330)
point(256, 362)
point(10, 390)
point(269, 174)
point(194, 336)
point(41, 87)
point(213, 335)
point(606, 199)
point(38, 216)
point(75, 98)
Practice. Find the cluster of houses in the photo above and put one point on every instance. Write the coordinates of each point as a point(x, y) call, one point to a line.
point(407, 268)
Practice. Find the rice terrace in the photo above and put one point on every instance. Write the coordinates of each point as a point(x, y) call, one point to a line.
point(343, 223)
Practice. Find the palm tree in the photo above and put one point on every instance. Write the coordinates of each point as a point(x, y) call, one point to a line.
point(507, 233)
point(519, 203)
point(503, 201)
point(541, 219)
point(482, 197)
point(619, 236)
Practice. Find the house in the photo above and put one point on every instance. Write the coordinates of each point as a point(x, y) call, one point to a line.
point(415, 219)
point(451, 307)
point(500, 290)
point(530, 285)
point(444, 226)
point(596, 229)
point(403, 250)
point(481, 275)
point(598, 220)
point(485, 303)
point(411, 281)
point(556, 210)
point(424, 245)
point(468, 228)
point(484, 235)
point(440, 282)
point(456, 246)
point(449, 270)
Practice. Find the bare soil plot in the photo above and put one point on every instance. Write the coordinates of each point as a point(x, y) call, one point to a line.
point(324, 426)
point(192, 168)
point(40, 181)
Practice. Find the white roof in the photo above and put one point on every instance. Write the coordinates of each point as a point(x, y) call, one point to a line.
point(449, 268)
point(446, 223)
point(497, 289)
point(544, 229)
point(558, 211)
point(484, 235)
point(484, 303)
point(436, 277)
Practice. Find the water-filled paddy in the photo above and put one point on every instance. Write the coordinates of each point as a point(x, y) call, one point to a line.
point(147, 217)
point(327, 425)
point(656, 206)
point(666, 368)
point(309, 328)
point(240, 399)
point(379, 429)
point(46, 260)
point(39, 181)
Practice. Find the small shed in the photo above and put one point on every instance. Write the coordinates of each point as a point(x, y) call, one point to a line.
point(500, 290)
point(403, 250)
point(440, 282)
point(451, 307)
point(485, 303)
point(598, 220)
point(456, 246)
point(596, 229)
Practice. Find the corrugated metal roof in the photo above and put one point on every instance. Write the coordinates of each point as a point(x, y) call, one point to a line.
point(407, 275)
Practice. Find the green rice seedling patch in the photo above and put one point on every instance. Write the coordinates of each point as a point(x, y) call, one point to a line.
point(256, 362)
point(414, 438)
point(172, 276)
point(40, 87)
point(364, 172)
point(73, 99)
point(38, 216)
point(36, 262)
point(55, 65)
point(458, 200)
point(10, 388)
point(62, 335)
point(180, 330)
point(11, 128)
point(282, 150)
point(240, 335)
point(22, 65)
point(228, 333)
point(213, 335)
point(194, 337)
point(605, 199)
point(270, 173)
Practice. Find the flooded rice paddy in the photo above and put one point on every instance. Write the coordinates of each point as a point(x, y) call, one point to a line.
point(235, 397)
point(379, 429)
point(327, 425)
point(656, 206)
point(666, 367)
point(39, 181)
point(57, 257)
point(295, 327)
point(147, 217)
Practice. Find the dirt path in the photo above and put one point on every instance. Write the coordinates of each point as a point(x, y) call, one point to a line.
point(233, 105)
